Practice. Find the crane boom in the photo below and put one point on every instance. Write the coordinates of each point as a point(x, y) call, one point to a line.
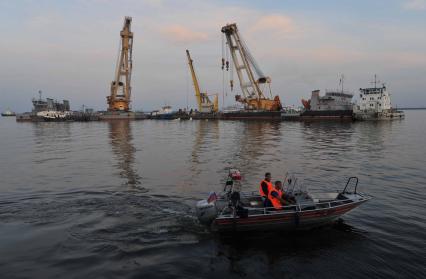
point(203, 100)
point(195, 81)
point(119, 98)
point(247, 68)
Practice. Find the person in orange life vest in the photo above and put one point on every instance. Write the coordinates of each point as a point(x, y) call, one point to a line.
point(265, 187)
point(276, 196)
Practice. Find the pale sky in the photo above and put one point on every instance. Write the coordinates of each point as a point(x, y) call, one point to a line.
point(68, 49)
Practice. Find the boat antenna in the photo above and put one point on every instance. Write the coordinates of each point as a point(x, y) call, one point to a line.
point(39, 94)
point(375, 81)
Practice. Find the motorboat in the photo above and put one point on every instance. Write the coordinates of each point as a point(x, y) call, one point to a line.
point(235, 210)
point(8, 112)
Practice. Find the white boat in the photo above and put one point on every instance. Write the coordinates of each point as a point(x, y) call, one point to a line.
point(8, 112)
point(375, 104)
point(165, 112)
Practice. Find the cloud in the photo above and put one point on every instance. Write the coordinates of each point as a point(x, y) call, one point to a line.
point(181, 34)
point(417, 5)
point(273, 23)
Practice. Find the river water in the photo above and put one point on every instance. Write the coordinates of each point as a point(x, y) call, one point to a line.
point(116, 199)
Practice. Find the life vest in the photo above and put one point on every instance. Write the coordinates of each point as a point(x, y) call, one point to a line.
point(270, 187)
point(275, 202)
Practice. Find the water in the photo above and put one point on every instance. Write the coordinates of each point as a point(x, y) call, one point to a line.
point(116, 199)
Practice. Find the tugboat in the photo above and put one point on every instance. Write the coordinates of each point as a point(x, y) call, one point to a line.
point(375, 104)
point(233, 210)
point(165, 113)
point(8, 112)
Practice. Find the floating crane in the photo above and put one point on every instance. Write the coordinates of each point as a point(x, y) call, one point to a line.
point(249, 74)
point(203, 100)
point(119, 99)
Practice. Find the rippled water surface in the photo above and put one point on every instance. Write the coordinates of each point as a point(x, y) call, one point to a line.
point(116, 199)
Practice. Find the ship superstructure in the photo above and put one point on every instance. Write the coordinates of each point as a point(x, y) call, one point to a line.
point(334, 104)
point(375, 103)
point(40, 105)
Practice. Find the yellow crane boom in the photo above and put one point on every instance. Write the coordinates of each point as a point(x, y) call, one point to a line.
point(194, 80)
point(203, 100)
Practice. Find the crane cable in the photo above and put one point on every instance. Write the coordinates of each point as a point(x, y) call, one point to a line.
point(223, 72)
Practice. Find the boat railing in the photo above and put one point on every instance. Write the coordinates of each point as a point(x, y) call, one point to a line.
point(304, 206)
point(353, 178)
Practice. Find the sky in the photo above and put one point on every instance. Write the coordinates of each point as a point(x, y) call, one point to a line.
point(68, 49)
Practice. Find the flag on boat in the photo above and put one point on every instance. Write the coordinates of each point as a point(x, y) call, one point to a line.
point(212, 197)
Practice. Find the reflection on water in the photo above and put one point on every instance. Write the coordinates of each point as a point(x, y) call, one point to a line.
point(206, 133)
point(120, 133)
point(252, 143)
point(65, 213)
point(278, 251)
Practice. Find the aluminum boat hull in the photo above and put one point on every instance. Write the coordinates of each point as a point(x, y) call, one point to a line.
point(284, 220)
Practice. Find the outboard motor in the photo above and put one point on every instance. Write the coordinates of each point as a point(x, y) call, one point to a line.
point(206, 209)
point(235, 203)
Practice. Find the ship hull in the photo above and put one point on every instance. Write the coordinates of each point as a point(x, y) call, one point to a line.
point(122, 116)
point(284, 221)
point(251, 115)
point(390, 115)
point(327, 114)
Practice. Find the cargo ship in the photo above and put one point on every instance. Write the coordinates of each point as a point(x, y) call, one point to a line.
point(47, 110)
point(333, 105)
point(375, 104)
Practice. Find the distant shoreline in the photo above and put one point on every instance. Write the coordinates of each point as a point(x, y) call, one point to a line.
point(411, 108)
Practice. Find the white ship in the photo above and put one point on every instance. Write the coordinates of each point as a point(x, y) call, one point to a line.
point(375, 104)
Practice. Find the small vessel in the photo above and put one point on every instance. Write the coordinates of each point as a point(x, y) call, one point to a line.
point(165, 112)
point(291, 113)
point(375, 104)
point(234, 210)
point(8, 112)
